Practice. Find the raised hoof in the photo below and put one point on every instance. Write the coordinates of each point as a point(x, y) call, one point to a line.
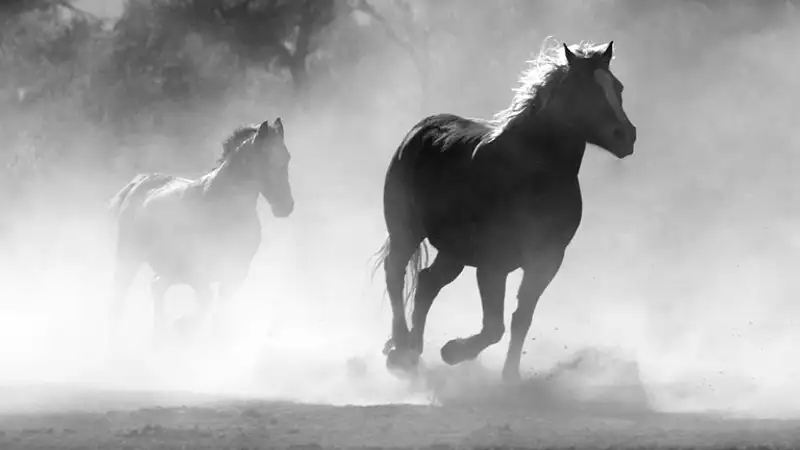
point(388, 347)
point(453, 352)
point(402, 363)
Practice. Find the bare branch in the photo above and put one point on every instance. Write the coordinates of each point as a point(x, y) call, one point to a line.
point(85, 14)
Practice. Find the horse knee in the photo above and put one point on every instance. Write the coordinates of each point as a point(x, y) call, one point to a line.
point(522, 317)
point(494, 331)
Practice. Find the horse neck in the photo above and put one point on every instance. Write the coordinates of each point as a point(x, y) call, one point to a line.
point(539, 139)
point(228, 184)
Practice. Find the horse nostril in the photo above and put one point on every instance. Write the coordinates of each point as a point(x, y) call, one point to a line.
point(619, 134)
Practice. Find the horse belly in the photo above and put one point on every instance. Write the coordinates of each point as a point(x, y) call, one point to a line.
point(190, 253)
point(178, 257)
point(506, 235)
point(232, 259)
point(468, 249)
point(476, 246)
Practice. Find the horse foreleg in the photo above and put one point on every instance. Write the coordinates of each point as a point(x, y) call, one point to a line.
point(204, 296)
point(537, 276)
point(443, 271)
point(492, 286)
point(205, 300)
point(125, 272)
point(158, 290)
point(228, 289)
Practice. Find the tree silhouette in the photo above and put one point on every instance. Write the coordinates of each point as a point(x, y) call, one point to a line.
point(267, 33)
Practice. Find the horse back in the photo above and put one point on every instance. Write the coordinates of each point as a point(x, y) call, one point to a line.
point(134, 193)
point(441, 136)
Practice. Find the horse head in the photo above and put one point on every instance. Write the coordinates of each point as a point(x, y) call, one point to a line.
point(270, 165)
point(590, 99)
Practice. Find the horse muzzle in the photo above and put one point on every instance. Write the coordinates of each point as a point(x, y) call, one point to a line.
point(621, 141)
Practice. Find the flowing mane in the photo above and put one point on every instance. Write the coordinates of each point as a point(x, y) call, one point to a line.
point(544, 72)
point(235, 140)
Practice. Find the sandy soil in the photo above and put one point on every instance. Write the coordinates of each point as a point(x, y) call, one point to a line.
point(96, 419)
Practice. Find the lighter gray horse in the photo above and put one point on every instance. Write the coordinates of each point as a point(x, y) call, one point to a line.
point(203, 231)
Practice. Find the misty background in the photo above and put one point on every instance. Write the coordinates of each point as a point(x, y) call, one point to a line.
point(681, 279)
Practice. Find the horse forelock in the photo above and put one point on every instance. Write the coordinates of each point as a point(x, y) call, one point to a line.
point(546, 71)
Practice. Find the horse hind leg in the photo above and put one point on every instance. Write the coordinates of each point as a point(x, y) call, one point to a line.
point(401, 250)
point(492, 286)
point(443, 271)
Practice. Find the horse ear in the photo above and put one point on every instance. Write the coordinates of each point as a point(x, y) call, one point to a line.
point(263, 129)
point(570, 56)
point(279, 126)
point(608, 53)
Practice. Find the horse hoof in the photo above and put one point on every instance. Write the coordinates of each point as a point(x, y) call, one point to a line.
point(402, 363)
point(388, 347)
point(452, 352)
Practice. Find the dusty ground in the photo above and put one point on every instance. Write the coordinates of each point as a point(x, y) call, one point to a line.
point(100, 420)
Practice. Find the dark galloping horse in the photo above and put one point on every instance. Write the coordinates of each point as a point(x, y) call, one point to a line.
point(497, 196)
point(199, 232)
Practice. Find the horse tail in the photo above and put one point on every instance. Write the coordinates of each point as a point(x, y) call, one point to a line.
point(115, 204)
point(380, 257)
point(418, 261)
point(399, 209)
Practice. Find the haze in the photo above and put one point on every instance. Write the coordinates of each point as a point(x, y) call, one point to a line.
point(680, 280)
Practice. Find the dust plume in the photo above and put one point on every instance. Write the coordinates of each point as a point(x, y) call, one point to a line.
point(675, 296)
